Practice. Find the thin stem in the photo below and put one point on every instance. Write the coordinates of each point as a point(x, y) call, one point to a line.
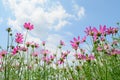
point(25, 37)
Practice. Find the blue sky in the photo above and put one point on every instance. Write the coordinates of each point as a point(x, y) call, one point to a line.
point(56, 19)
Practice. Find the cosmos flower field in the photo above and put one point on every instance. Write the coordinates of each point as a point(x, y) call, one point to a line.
point(25, 60)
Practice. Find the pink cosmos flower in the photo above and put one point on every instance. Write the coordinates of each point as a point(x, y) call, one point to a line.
point(52, 57)
point(62, 43)
point(45, 52)
point(106, 46)
point(112, 30)
point(91, 57)
point(83, 39)
point(19, 38)
point(23, 49)
point(89, 31)
point(3, 53)
point(61, 61)
point(28, 44)
point(32, 44)
point(28, 26)
point(115, 51)
point(95, 31)
point(75, 43)
point(103, 29)
point(74, 46)
point(102, 38)
point(64, 54)
point(46, 59)
point(95, 37)
point(36, 45)
point(99, 48)
point(43, 43)
point(15, 50)
point(35, 54)
point(80, 56)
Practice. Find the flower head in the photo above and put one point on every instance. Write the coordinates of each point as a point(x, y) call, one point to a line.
point(62, 43)
point(89, 31)
point(35, 54)
point(43, 43)
point(3, 53)
point(91, 57)
point(45, 52)
point(75, 43)
point(15, 50)
point(28, 26)
point(19, 38)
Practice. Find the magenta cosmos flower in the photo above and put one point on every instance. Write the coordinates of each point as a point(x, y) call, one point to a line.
point(28, 26)
point(19, 38)
point(15, 50)
point(75, 43)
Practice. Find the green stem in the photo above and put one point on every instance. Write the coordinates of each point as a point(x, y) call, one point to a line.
point(25, 37)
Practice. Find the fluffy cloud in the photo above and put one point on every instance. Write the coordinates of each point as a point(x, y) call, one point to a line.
point(46, 16)
point(41, 13)
point(79, 11)
point(54, 39)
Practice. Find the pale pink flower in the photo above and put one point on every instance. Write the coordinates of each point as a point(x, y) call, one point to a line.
point(61, 61)
point(115, 42)
point(102, 38)
point(23, 49)
point(52, 57)
point(43, 43)
point(32, 44)
point(36, 45)
point(106, 46)
point(65, 54)
point(45, 52)
point(80, 56)
point(83, 39)
point(28, 44)
point(28, 26)
point(62, 43)
point(3, 53)
point(115, 51)
point(35, 54)
point(46, 59)
point(75, 43)
point(99, 48)
point(91, 57)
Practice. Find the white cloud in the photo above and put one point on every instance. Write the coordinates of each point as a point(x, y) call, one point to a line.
point(44, 14)
point(44, 17)
point(79, 11)
point(53, 41)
